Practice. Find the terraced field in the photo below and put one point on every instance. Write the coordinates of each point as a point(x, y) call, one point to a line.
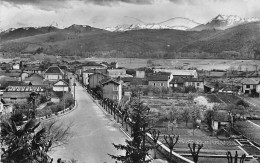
point(222, 98)
point(228, 99)
point(249, 130)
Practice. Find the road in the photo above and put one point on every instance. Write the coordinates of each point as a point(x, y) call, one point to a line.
point(93, 132)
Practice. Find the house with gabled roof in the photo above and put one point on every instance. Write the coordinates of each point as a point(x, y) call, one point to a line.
point(250, 85)
point(185, 82)
point(111, 88)
point(95, 78)
point(179, 73)
point(53, 73)
point(61, 85)
point(160, 79)
point(86, 73)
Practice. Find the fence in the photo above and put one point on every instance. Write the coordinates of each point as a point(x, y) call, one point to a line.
point(122, 117)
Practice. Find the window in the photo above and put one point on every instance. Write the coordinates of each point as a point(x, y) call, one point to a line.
point(198, 84)
point(247, 86)
point(162, 84)
point(153, 84)
point(115, 88)
point(115, 97)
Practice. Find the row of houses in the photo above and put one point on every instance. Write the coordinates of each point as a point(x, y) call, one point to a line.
point(111, 85)
point(53, 79)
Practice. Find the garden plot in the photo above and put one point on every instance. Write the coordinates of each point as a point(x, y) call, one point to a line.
point(211, 145)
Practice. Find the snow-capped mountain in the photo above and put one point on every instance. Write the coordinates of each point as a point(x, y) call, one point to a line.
point(224, 22)
point(178, 23)
point(126, 27)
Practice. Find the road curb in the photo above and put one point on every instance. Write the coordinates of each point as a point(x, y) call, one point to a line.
point(62, 114)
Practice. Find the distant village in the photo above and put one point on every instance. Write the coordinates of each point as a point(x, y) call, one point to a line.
point(19, 78)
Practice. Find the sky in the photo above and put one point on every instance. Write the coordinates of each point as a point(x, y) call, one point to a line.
point(109, 13)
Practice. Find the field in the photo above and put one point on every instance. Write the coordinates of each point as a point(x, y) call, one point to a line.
point(205, 64)
point(249, 130)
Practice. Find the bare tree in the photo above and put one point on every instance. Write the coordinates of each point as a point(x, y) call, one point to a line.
point(194, 153)
point(155, 135)
point(171, 141)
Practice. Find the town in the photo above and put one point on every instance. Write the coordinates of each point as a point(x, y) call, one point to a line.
point(217, 111)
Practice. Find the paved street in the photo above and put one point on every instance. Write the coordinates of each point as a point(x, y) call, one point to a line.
point(94, 133)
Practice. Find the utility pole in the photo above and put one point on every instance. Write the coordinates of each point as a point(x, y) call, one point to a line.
point(74, 84)
point(33, 96)
point(63, 100)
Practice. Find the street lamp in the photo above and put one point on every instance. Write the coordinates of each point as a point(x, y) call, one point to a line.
point(74, 84)
point(33, 97)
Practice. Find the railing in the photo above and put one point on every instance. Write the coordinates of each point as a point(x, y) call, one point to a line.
point(121, 116)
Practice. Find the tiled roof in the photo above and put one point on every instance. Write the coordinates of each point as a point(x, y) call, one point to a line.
point(221, 116)
point(66, 81)
point(251, 81)
point(135, 81)
point(158, 77)
point(54, 69)
point(16, 94)
point(177, 80)
point(108, 80)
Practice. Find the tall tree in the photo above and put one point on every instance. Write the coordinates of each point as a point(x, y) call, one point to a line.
point(136, 150)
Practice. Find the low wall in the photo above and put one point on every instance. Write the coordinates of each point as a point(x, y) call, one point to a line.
point(165, 151)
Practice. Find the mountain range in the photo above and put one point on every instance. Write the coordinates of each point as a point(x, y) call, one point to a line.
point(222, 37)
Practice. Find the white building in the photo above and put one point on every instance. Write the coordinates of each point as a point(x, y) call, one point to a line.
point(53, 73)
point(176, 73)
point(61, 85)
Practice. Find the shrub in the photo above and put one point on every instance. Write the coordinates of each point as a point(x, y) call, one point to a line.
point(188, 89)
point(43, 99)
point(17, 118)
point(242, 103)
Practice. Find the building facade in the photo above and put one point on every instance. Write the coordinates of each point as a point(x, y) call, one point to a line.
point(53, 73)
point(95, 78)
point(111, 89)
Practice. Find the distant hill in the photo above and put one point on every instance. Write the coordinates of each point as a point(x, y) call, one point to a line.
point(11, 34)
point(240, 42)
point(222, 22)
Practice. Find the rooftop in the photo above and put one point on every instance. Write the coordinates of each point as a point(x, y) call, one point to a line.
point(158, 77)
point(108, 80)
point(54, 69)
point(251, 81)
point(221, 116)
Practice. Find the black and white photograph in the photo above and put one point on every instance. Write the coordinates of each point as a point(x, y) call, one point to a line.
point(130, 81)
